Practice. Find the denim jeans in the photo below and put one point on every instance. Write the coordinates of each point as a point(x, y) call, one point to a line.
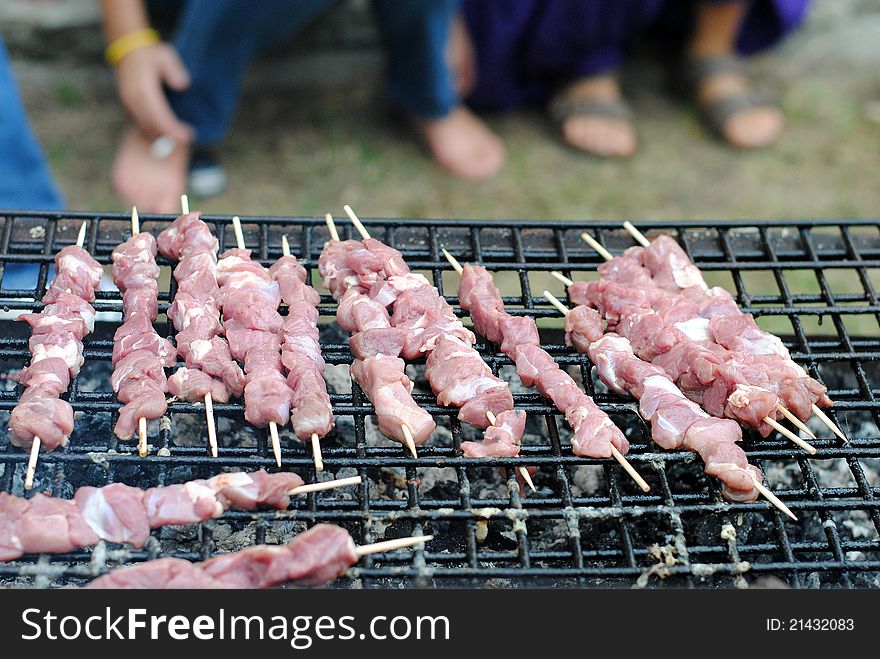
point(25, 181)
point(217, 39)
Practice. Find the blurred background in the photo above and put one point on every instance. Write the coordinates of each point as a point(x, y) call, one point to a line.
point(314, 132)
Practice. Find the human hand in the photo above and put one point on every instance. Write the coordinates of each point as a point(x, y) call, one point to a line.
point(141, 75)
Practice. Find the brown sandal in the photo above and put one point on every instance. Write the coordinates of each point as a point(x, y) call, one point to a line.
point(696, 71)
point(561, 109)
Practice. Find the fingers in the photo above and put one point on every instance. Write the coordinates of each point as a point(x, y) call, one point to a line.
point(156, 118)
point(143, 76)
point(173, 71)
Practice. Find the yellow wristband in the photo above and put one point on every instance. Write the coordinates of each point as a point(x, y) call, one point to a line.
point(130, 42)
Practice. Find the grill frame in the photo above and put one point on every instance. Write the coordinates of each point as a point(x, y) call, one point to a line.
point(619, 514)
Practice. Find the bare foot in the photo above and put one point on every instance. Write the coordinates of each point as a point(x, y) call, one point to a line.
point(464, 145)
point(140, 179)
point(596, 134)
point(750, 128)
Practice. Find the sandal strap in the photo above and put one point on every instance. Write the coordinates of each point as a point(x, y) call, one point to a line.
point(564, 108)
point(696, 70)
point(717, 114)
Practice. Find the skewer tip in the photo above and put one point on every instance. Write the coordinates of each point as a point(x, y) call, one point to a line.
point(772, 498)
point(285, 246)
point(135, 221)
point(325, 485)
point(331, 227)
point(379, 547)
point(184, 204)
point(81, 236)
point(454, 262)
point(316, 452)
point(212, 427)
point(641, 482)
point(355, 220)
point(32, 464)
point(561, 277)
point(239, 234)
point(276, 442)
point(791, 417)
point(788, 434)
point(527, 477)
point(556, 302)
point(635, 233)
point(828, 422)
point(597, 247)
point(410, 442)
point(142, 437)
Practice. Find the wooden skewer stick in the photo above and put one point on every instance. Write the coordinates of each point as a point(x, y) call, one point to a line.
point(828, 422)
point(809, 448)
point(592, 242)
point(209, 400)
point(325, 485)
point(640, 237)
point(555, 301)
point(273, 427)
point(316, 441)
point(387, 545)
point(788, 434)
point(635, 233)
point(761, 488)
point(410, 441)
point(35, 446)
point(32, 464)
point(617, 454)
point(630, 469)
point(276, 442)
point(561, 277)
point(81, 236)
point(527, 477)
point(361, 229)
point(142, 422)
point(212, 428)
point(772, 498)
point(331, 227)
point(791, 417)
point(316, 452)
point(239, 234)
point(455, 266)
point(142, 437)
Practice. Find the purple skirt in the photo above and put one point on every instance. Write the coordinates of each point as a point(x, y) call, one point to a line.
point(527, 49)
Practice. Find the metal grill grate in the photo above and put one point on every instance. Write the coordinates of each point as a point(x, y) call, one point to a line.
point(814, 283)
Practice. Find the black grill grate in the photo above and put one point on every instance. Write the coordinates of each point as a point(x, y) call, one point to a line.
point(815, 283)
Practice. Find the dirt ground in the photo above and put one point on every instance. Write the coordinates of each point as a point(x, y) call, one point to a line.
point(307, 151)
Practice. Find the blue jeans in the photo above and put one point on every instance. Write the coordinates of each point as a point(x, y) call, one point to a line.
point(25, 181)
point(217, 39)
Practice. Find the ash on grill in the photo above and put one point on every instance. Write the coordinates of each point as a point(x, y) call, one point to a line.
point(588, 524)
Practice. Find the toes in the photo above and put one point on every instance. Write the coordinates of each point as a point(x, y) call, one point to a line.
point(601, 136)
point(754, 128)
point(464, 145)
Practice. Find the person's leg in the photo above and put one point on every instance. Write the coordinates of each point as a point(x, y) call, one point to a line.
point(599, 122)
point(216, 40)
point(716, 30)
point(25, 181)
point(578, 46)
point(421, 50)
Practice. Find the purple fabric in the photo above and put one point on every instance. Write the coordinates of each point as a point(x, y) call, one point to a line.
point(527, 49)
